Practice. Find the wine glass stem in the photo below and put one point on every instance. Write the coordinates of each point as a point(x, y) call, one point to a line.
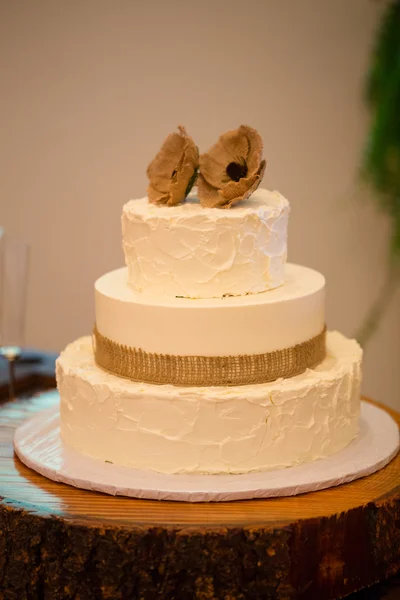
point(11, 379)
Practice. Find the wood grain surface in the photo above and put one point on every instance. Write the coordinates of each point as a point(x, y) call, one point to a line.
point(57, 541)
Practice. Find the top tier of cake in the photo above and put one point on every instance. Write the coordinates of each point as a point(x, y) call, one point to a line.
point(195, 252)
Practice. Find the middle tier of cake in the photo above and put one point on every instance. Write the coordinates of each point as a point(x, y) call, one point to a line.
point(243, 325)
point(222, 341)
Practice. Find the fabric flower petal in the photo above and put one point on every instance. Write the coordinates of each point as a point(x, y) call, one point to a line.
point(208, 194)
point(184, 173)
point(232, 146)
point(235, 144)
point(236, 189)
point(172, 169)
point(232, 169)
point(254, 156)
point(213, 166)
point(156, 196)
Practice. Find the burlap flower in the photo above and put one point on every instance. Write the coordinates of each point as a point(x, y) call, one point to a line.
point(232, 169)
point(173, 171)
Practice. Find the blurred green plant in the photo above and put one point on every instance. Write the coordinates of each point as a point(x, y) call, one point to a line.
point(381, 161)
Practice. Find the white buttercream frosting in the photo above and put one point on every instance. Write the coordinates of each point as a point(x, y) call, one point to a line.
point(210, 430)
point(197, 252)
point(253, 324)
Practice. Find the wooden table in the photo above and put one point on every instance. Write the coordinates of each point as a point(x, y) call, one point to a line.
point(58, 542)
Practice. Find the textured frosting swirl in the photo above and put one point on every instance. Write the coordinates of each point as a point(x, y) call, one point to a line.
point(196, 252)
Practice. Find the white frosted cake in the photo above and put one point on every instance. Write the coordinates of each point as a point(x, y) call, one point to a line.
point(203, 252)
point(210, 352)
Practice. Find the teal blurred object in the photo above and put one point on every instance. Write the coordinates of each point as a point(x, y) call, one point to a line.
point(381, 161)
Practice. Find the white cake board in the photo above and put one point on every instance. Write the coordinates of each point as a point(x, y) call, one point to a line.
point(38, 444)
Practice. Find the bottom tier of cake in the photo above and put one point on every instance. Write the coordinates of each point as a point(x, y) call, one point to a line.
point(210, 430)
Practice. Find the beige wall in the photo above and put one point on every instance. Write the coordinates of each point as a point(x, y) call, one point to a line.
point(91, 87)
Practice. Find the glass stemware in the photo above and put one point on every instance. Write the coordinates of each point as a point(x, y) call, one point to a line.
point(14, 265)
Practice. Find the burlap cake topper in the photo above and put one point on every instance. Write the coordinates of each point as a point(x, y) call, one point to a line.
point(232, 169)
point(229, 172)
point(173, 171)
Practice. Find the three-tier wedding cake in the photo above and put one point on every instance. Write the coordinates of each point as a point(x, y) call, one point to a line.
point(210, 352)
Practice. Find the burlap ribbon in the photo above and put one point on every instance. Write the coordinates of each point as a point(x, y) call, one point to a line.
point(147, 367)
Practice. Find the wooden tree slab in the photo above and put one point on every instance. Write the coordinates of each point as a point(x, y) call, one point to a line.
point(58, 542)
